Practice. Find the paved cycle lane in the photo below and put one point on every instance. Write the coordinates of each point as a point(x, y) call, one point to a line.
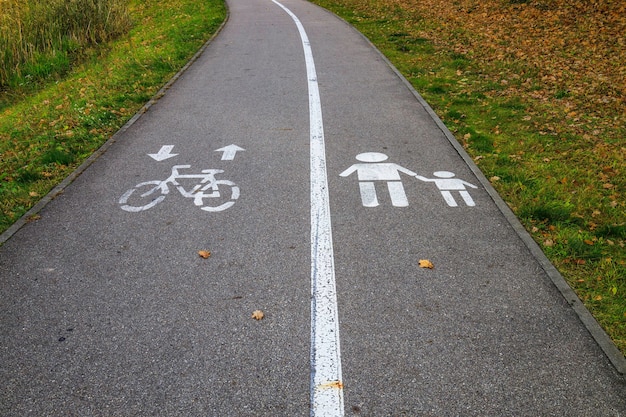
point(334, 182)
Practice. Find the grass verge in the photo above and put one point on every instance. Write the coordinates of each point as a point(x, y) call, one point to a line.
point(535, 91)
point(48, 129)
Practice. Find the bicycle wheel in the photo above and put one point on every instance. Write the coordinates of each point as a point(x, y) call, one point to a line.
point(229, 192)
point(134, 200)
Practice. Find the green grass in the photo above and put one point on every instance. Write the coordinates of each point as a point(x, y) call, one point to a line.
point(49, 127)
point(563, 174)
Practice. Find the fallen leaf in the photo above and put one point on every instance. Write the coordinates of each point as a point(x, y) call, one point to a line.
point(257, 314)
point(204, 253)
point(549, 243)
point(331, 384)
point(424, 263)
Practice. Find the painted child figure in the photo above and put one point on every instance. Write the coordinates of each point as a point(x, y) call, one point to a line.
point(446, 183)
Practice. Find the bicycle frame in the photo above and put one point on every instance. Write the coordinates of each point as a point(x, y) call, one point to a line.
point(207, 177)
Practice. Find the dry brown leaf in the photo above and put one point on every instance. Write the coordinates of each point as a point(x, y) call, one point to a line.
point(425, 263)
point(257, 314)
point(204, 253)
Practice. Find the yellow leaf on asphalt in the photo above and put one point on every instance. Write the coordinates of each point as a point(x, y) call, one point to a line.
point(204, 253)
point(257, 314)
point(424, 263)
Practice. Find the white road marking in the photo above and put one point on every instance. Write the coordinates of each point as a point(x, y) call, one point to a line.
point(145, 195)
point(326, 382)
point(375, 169)
point(163, 154)
point(229, 152)
point(446, 182)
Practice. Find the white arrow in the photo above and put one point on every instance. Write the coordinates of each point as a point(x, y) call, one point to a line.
point(163, 154)
point(229, 152)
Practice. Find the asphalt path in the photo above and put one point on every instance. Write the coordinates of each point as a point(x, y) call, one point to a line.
point(335, 180)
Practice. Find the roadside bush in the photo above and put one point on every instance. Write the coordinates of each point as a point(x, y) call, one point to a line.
point(38, 37)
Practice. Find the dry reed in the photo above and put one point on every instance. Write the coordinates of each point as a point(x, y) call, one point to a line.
point(31, 31)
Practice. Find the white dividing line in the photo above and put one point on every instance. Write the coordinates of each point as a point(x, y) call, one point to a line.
point(326, 382)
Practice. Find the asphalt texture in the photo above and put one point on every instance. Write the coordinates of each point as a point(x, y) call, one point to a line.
point(110, 312)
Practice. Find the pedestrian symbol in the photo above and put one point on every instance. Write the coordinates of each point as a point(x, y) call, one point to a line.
point(373, 168)
point(446, 182)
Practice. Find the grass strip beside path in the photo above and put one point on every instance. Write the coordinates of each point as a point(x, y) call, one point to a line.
point(535, 91)
point(48, 131)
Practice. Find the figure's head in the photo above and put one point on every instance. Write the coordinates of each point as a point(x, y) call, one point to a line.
point(443, 174)
point(371, 157)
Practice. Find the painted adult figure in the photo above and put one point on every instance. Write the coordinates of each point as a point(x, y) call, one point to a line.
point(373, 168)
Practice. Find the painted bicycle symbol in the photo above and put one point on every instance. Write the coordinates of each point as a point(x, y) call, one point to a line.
point(219, 194)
